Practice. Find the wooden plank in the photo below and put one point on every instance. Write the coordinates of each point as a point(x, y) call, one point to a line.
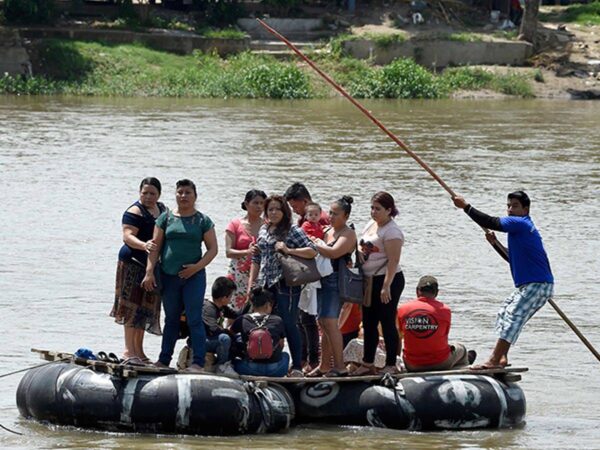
point(404, 375)
point(508, 374)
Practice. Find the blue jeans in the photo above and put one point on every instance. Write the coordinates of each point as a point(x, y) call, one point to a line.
point(220, 345)
point(276, 369)
point(328, 297)
point(179, 295)
point(286, 301)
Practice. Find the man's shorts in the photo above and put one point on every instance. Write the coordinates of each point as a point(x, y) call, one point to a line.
point(519, 307)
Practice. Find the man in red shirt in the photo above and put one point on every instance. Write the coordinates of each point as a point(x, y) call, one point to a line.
point(424, 325)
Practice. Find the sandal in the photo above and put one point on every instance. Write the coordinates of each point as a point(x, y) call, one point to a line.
point(114, 358)
point(363, 370)
point(392, 370)
point(315, 373)
point(335, 373)
point(102, 356)
point(133, 361)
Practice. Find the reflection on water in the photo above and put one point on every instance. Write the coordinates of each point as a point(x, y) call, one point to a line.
point(69, 167)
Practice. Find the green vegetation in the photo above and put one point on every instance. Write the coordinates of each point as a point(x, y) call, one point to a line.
point(538, 76)
point(384, 40)
point(468, 78)
point(510, 35)
point(465, 37)
point(28, 11)
point(85, 68)
point(583, 14)
point(225, 33)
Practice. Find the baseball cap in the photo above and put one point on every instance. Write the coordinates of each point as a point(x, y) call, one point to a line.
point(428, 283)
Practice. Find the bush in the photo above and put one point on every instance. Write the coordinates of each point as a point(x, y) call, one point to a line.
point(466, 78)
point(404, 78)
point(29, 11)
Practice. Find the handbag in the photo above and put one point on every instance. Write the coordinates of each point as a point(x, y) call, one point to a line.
point(351, 284)
point(298, 271)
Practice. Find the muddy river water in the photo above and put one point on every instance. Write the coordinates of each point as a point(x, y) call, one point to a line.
point(69, 167)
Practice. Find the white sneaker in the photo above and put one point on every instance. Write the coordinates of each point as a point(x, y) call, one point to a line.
point(226, 369)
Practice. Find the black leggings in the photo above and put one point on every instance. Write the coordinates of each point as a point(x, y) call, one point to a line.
point(309, 332)
point(384, 314)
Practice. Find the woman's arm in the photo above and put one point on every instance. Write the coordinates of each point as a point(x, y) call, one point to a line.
point(231, 252)
point(345, 244)
point(254, 268)
point(212, 248)
point(304, 252)
point(301, 246)
point(149, 283)
point(393, 249)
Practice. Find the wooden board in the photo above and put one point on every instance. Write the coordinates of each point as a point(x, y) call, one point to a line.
point(509, 374)
point(496, 373)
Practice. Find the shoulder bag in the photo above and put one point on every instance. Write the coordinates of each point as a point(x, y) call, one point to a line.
point(298, 271)
point(351, 282)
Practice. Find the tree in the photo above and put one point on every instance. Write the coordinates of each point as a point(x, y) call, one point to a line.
point(529, 22)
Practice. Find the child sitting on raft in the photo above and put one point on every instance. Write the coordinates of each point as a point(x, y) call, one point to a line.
point(277, 363)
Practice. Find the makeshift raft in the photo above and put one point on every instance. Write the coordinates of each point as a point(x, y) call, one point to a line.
point(109, 396)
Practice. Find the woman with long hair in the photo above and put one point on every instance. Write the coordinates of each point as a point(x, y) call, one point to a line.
point(279, 235)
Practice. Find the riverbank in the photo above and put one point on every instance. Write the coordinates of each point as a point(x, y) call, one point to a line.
point(91, 68)
point(89, 60)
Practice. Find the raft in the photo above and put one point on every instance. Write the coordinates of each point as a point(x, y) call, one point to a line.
point(106, 396)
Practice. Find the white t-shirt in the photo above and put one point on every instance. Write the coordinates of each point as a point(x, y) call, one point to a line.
point(371, 245)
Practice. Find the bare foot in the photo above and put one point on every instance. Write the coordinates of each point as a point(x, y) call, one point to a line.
point(160, 365)
point(490, 364)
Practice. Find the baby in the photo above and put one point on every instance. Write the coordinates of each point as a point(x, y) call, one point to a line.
point(311, 226)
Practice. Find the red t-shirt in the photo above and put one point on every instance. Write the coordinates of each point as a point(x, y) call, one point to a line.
point(353, 321)
point(425, 324)
point(313, 229)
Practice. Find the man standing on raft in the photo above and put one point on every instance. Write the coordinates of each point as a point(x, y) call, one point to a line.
point(529, 267)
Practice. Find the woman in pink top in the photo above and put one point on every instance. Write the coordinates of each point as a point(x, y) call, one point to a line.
point(240, 242)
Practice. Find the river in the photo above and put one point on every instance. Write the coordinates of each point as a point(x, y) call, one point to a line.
point(69, 167)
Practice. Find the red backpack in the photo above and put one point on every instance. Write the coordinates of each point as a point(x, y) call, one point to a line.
point(260, 342)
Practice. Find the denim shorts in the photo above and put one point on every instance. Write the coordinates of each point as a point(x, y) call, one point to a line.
point(328, 298)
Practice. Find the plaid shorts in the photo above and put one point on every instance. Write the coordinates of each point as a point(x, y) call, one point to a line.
point(519, 307)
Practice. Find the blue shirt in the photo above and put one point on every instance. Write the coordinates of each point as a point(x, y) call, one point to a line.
point(527, 257)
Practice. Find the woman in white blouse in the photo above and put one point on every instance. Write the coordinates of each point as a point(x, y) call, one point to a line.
point(380, 247)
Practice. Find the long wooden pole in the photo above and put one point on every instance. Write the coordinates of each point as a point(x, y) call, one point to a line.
point(416, 157)
point(365, 111)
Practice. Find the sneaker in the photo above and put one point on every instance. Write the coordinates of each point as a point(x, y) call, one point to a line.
point(226, 369)
point(295, 373)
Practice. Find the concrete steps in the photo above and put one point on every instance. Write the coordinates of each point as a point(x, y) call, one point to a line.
point(279, 50)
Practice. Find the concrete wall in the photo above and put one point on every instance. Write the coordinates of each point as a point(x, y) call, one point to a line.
point(444, 53)
point(291, 28)
point(14, 59)
point(167, 40)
